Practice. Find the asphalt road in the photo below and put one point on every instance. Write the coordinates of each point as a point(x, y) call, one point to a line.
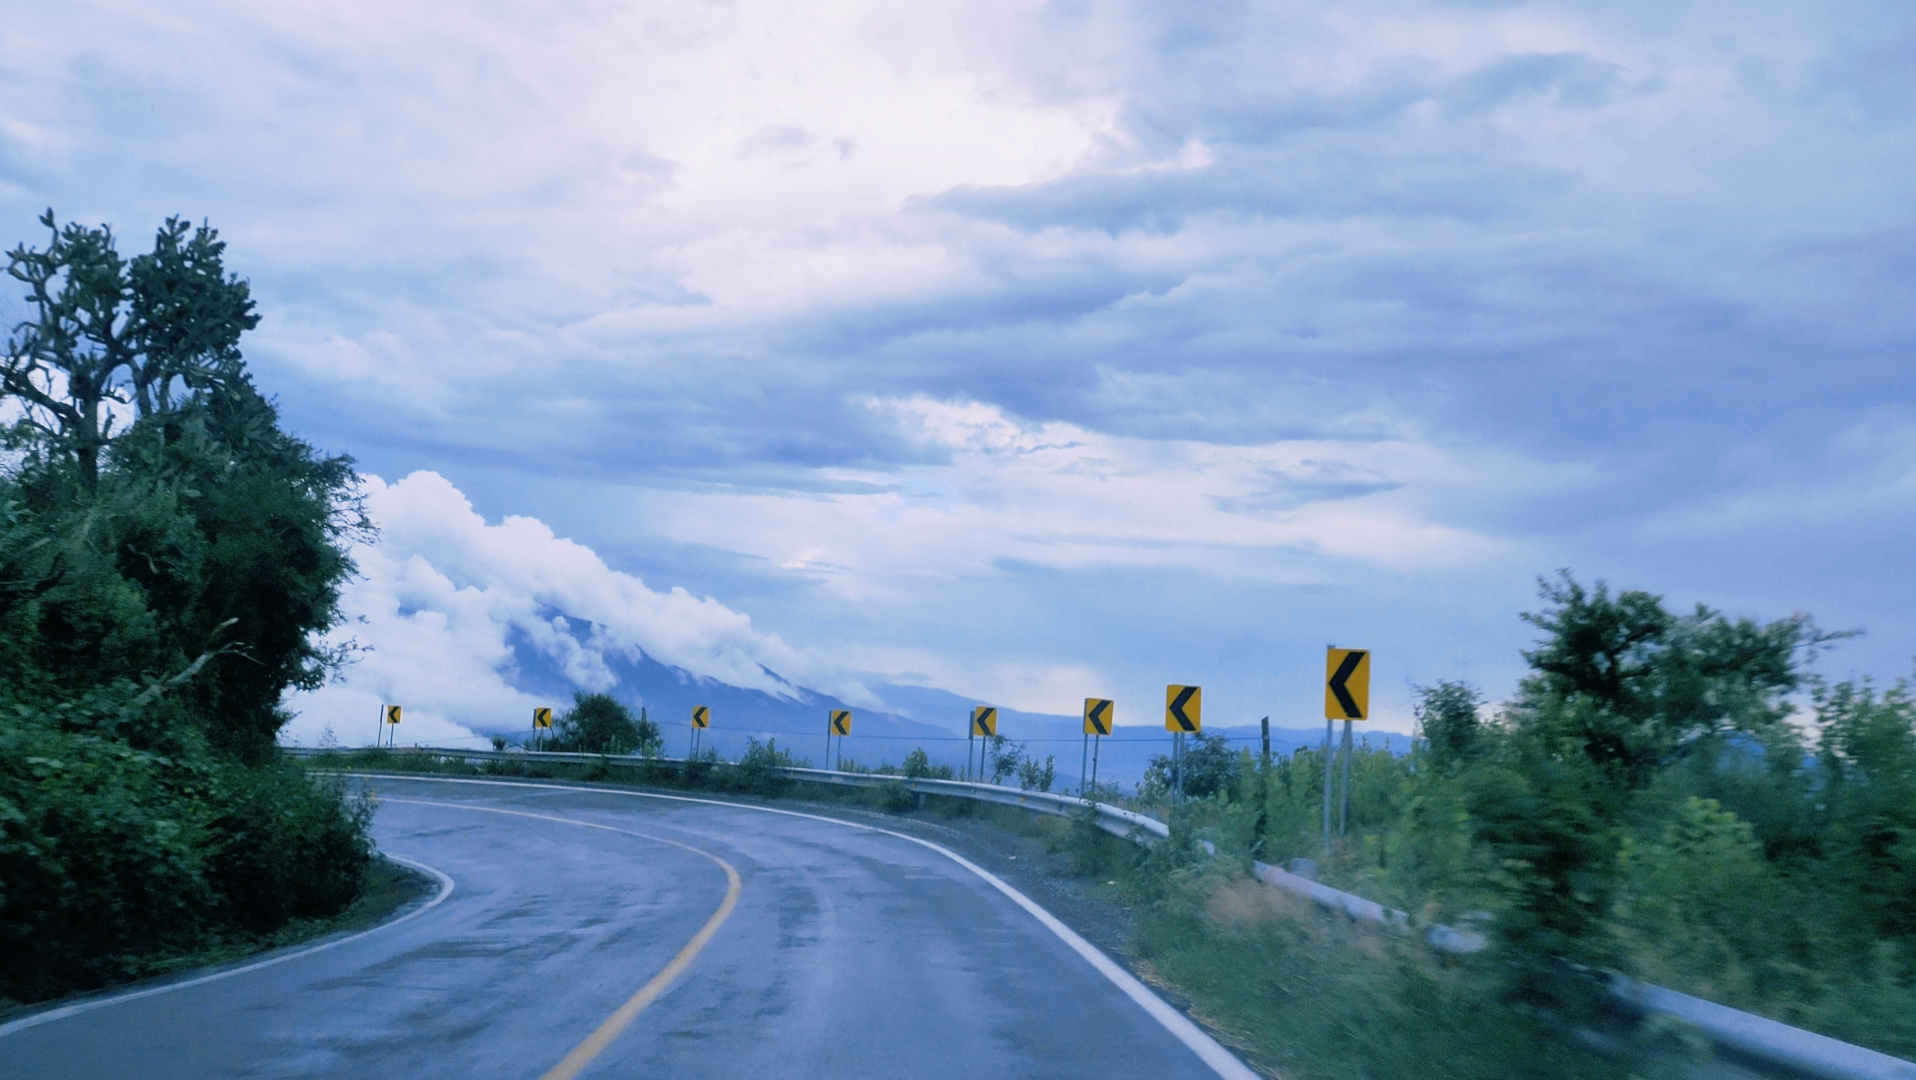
point(848, 952)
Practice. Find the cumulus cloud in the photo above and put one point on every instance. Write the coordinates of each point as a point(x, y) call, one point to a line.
point(444, 600)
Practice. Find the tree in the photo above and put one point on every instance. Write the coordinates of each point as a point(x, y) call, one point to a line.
point(1005, 756)
point(168, 556)
point(1208, 768)
point(200, 528)
point(106, 332)
point(1621, 692)
point(601, 724)
point(1447, 719)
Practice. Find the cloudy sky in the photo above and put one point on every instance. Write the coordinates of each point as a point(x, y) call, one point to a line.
point(1040, 350)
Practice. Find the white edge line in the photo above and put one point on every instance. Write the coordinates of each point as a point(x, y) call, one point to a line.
point(35, 1020)
point(1208, 1050)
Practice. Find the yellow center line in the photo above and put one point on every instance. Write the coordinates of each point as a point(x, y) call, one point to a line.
point(621, 1018)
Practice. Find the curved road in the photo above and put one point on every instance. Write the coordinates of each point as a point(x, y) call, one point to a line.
point(838, 950)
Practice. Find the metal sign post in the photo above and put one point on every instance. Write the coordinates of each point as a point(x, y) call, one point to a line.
point(701, 719)
point(1346, 698)
point(984, 724)
point(841, 726)
point(1098, 714)
point(1183, 715)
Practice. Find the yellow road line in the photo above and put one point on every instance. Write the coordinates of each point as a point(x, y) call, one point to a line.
point(621, 1018)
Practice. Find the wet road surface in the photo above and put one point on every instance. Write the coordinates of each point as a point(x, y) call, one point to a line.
point(850, 953)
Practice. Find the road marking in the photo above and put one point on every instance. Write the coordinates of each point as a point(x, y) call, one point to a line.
point(25, 1022)
point(622, 1017)
point(1208, 1050)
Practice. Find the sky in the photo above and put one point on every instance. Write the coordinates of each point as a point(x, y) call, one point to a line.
point(1036, 351)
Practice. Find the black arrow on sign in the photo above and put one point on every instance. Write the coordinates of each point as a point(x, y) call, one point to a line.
point(1341, 692)
point(1177, 708)
point(1098, 721)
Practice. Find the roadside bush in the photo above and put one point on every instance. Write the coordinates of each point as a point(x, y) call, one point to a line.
point(918, 766)
point(895, 797)
point(116, 862)
point(757, 771)
point(1035, 777)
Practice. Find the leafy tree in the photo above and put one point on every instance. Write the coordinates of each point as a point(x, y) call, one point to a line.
point(1867, 758)
point(1622, 692)
point(1005, 756)
point(601, 724)
point(200, 528)
point(1448, 721)
point(1208, 768)
point(106, 332)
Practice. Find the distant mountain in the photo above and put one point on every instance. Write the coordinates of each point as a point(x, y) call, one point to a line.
point(796, 719)
point(917, 717)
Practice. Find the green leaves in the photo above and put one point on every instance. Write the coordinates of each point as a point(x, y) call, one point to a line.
point(601, 724)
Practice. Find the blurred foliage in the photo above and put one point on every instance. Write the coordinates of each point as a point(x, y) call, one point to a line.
point(168, 559)
point(1650, 802)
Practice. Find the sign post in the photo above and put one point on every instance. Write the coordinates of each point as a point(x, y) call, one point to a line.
point(1346, 698)
point(390, 714)
point(541, 721)
point(1183, 715)
point(1097, 721)
point(701, 719)
point(984, 724)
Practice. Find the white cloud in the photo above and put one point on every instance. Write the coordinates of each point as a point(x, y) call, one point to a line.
point(442, 595)
point(1064, 496)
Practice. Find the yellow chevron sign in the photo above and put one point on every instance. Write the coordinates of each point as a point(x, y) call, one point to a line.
point(542, 717)
point(1184, 709)
point(392, 714)
point(842, 721)
point(1346, 684)
point(984, 721)
point(1097, 715)
point(701, 716)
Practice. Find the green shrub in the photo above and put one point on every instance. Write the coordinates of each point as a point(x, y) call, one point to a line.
point(116, 861)
point(757, 771)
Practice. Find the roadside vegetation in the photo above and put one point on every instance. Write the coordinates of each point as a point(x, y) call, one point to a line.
point(168, 557)
point(1651, 802)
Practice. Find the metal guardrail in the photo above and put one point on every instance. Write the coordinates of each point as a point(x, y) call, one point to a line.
point(1746, 1035)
